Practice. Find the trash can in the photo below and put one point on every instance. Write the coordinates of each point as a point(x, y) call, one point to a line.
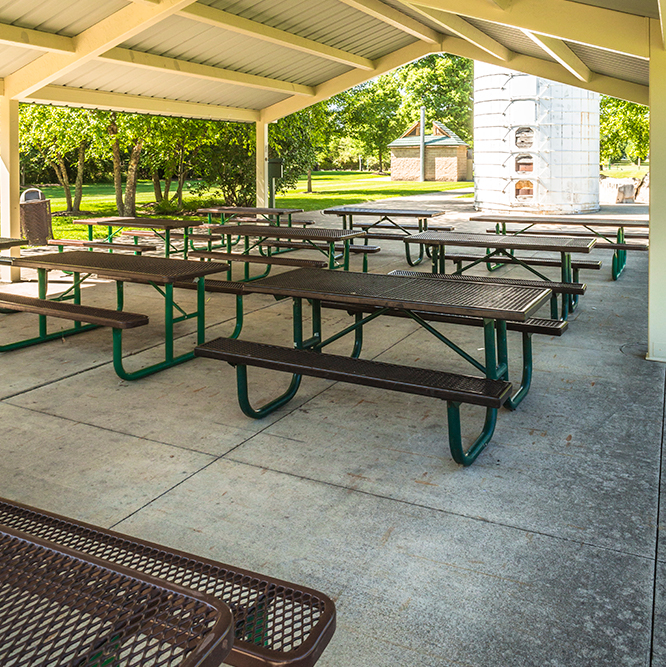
point(275, 171)
point(35, 217)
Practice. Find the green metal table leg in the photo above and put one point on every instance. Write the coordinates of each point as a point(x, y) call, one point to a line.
point(565, 260)
point(455, 434)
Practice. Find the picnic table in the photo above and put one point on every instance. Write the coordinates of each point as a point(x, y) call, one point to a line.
point(227, 213)
point(312, 237)
point(493, 302)
point(505, 245)
point(161, 227)
point(595, 227)
point(386, 221)
point(162, 273)
point(275, 622)
point(59, 607)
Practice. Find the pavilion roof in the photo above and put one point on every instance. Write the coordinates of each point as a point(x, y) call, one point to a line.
point(248, 60)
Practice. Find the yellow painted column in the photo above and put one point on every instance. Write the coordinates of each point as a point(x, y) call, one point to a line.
point(10, 187)
point(262, 163)
point(657, 270)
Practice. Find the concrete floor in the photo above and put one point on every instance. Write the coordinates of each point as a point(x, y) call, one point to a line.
point(545, 552)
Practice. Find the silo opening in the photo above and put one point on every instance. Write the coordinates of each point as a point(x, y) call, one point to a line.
point(524, 163)
point(524, 190)
point(524, 137)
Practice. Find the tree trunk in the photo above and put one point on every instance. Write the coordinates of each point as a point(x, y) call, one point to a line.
point(167, 186)
point(65, 182)
point(132, 177)
point(381, 165)
point(78, 188)
point(157, 186)
point(182, 172)
point(117, 165)
point(309, 181)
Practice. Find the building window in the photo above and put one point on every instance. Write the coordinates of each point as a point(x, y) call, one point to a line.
point(524, 163)
point(524, 190)
point(524, 137)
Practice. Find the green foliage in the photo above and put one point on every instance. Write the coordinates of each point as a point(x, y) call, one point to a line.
point(444, 84)
point(625, 130)
point(226, 163)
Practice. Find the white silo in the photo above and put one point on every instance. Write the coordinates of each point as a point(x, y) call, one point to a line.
point(536, 144)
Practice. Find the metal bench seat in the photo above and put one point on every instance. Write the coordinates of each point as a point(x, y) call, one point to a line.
point(576, 264)
point(105, 317)
point(450, 387)
point(80, 243)
point(258, 259)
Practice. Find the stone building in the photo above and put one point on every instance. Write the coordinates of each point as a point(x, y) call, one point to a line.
point(445, 155)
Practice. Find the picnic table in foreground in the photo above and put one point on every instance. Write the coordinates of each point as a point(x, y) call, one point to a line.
point(599, 228)
point(505, 245)
point(494, 303)
point(387, 219)
point(163, 274)
point(60, 607)
point(274, 622)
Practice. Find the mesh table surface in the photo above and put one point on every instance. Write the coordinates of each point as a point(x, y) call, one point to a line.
point(392, 212)
point(456, 298)
point(122, 267)
point(275, 622)
point(143, 223)
point(244, 210)
point(520, 242)
point(316, 234)
point(58, 607)
point(6, 243)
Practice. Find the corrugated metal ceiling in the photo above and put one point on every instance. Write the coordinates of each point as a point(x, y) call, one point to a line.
point(65, 18)
point(114, 78)
point(329, 22)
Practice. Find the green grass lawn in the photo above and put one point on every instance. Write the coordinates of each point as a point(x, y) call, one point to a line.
point(626, 170)
point(330, 188)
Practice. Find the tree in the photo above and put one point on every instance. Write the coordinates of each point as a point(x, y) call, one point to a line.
point(625, 130)
point(59, 135)
point(123, 136)
point(444, 85)
point(370, 113)
point(172, 147)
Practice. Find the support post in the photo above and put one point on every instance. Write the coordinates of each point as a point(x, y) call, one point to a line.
point(262, 163)
point(10, 187)
point(657, 252)
point(422, 146)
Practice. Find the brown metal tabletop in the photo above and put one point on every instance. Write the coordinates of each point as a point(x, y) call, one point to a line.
point(385, 212)
point(162, 227)
point(521, 242)
point(59, 607)
point(6, 243)
point(506, 302)
point(249, 210)
point(140, 223)
point(311, 236)
point(275, 622)
point(130, 268)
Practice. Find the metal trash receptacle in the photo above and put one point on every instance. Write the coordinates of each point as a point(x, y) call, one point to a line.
point(35, 217)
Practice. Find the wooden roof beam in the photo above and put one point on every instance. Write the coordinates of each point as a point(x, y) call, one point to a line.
point(395, 18)
point(195, 70)
point(35, 39)
point(558, 50)
point(228, 21)
point(465, 30)
point(109, 32)
point(562, 19)
point(99, 99)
